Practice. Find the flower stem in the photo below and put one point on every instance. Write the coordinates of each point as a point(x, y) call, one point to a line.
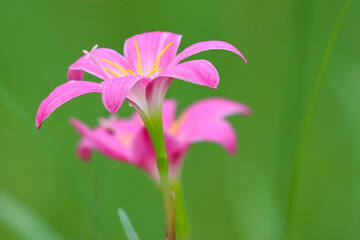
point(156, 132)
point(182, 225)
point(307, 122)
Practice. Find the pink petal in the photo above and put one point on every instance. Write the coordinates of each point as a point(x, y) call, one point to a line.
point(169, 113)
point(85, 146)
point(108, 144)
point(75, 75)
point(155, 93)
point(102, 140)
point(197, 121)
point(200, 72)
point(217, 108)
point(80, 127)
point(150, 45)
point(204, 46)
point(75, 71)
point(114, 91)
point(142, 151)
point(84, 149)
point(176, 152)
point(217, 131)
point(62, 94)
point(137, 94)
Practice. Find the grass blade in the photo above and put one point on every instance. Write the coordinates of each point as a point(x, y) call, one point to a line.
point(23, 221)
point(128, 228)
point(308, 119)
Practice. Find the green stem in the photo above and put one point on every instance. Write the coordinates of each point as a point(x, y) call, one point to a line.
point(155, 129)
point(169, 208)
point(307, 121)
point(182, 225)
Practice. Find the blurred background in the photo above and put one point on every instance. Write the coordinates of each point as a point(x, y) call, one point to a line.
point(228, 197)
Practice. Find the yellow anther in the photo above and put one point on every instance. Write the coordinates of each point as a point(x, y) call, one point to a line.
point(152, 71)
point(158, 58)
point(131, 72)
point(138, 55)
point(110, 71)
point(115, 65)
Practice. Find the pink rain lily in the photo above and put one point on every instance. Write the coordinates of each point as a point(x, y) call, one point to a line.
point(127, 140)
point(142, 76)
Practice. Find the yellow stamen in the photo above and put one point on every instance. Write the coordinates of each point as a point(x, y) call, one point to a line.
point(138, 55)
point(115, 65)
point(131, 72)
point(158, 58)
point(110, 71)
point(152, 71)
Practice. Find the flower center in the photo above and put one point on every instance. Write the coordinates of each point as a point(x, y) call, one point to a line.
point(125, 72)
point(175, 126)
point(125, 138)
point(155, 68)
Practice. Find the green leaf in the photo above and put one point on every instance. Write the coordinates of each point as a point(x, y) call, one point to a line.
point(23, 221)
point(128, 228)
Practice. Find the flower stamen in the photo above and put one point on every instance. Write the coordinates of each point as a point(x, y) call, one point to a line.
point(131, 72)
point(92, 56)
point(115, 65)
point(138, 55)
point(110, 71)
point(155, 68)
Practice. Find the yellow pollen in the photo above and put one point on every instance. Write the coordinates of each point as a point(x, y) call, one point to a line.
point(115, 65)
point(138, 55)
point(131, 72)
point(158, 58)
point(110, 71)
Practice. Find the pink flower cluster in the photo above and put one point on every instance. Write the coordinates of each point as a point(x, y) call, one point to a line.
point(153, 138)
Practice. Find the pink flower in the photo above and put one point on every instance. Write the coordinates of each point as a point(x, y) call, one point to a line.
point(142, 75)
point(127, 140)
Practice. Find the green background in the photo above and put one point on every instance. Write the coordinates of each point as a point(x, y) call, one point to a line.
point(228, 197)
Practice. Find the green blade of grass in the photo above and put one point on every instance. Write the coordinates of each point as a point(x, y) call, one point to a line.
point(308, 119)
point(23, 221)
point(128, 228)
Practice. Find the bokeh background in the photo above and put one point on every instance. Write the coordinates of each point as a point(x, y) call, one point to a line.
point(228, 197)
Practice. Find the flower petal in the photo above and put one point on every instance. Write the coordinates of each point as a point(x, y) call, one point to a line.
point(205, 46)
point(114, 91)
point(62, 94)
point(196, 122)
point(75, 71)
point(80, 127)
point(217, 131)
point(102, 140)
point(142, 151)
point(169, 113)
point(200, 72)
point(84, 149)
point(155, 93)
point(176, 152)
point(109, 145)
point(214, 108)
point(150, 45)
